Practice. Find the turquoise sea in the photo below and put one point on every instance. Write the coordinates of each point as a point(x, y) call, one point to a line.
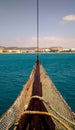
point(15, 70)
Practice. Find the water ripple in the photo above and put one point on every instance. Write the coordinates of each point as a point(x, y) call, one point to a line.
point(15, 70)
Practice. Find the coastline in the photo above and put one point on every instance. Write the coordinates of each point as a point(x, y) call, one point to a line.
point(40, 53)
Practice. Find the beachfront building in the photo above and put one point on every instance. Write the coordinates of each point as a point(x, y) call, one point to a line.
point(56, 49)
point(1, 50)
point(72, 49)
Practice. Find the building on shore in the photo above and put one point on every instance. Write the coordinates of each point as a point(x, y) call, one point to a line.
point(72, 49)
point(34, 50)
point(1, 50)
point(56, 49)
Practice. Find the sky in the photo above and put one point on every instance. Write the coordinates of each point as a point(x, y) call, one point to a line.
point(18, 23)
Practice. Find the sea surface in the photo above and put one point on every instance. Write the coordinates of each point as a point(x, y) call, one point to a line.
point(15, 70)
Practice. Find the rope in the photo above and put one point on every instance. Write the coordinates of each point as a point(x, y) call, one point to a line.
point(41, 98)
point(37, 29)
point(60, 115)
point(47, 114)
point(38, 97)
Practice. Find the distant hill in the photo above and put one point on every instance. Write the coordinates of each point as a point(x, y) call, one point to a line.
point(22, 48)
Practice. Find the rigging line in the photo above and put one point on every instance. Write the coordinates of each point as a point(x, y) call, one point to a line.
point(48, 114)
point(37, 29)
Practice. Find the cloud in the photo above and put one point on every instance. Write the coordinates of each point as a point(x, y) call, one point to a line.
point(67, 18)
point(48, 41)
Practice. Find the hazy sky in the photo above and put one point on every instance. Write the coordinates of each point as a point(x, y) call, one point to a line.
point(56, 23)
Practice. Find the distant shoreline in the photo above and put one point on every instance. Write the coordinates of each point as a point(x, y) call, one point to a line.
point(41, 53)
point(15, 50)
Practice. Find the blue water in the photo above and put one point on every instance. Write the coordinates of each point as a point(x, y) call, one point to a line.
point(15, 70)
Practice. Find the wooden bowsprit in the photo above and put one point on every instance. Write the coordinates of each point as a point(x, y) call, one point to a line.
point(36, 121)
